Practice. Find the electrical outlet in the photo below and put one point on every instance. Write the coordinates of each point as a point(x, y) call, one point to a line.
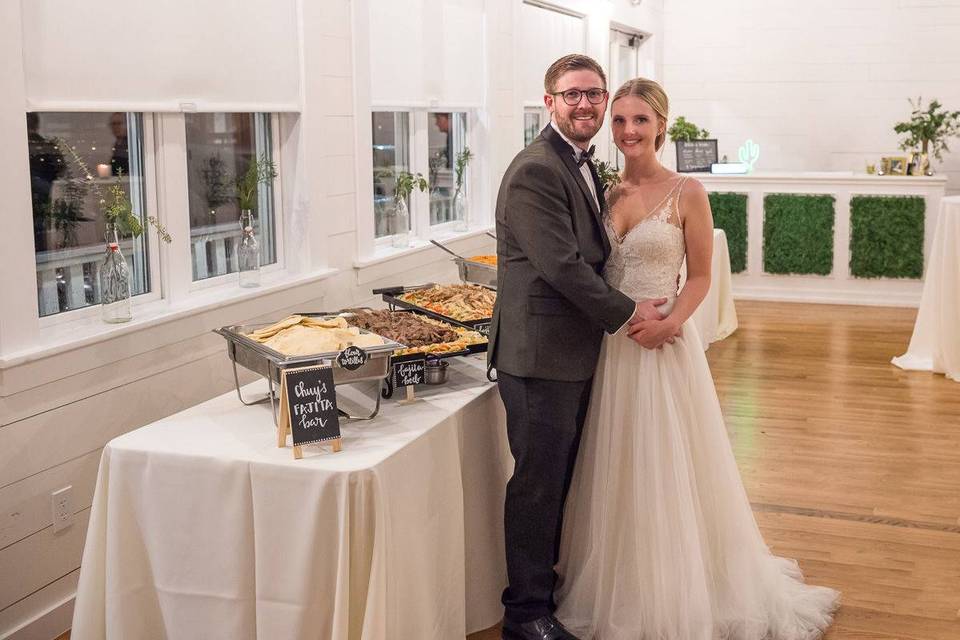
point(62, 505)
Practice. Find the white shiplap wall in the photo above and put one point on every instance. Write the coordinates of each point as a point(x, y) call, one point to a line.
point(818, 85)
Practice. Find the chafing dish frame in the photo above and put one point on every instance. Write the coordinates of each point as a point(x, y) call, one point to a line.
point(477, 273)
point(270, 364)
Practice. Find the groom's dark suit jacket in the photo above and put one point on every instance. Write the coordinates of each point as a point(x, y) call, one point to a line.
point(552, 303)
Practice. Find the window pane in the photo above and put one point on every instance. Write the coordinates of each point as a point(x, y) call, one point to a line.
point(74, 160)
point(447, 137)
point(220, 147)
point(531, 125)
point(391, 153)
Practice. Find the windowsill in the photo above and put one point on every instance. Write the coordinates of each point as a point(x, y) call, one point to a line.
point(386, 254)
point(89, 330)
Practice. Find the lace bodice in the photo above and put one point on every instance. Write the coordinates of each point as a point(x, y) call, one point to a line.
point(645, 261)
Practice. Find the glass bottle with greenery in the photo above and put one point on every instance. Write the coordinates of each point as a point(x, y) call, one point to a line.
point(114, 275)
point(460, 210)
point(260, 171)
point(406, 182)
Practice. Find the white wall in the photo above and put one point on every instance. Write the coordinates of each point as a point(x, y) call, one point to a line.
point(57, 411)
point(820, 84)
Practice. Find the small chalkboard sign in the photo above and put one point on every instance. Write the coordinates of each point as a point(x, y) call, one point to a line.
point(308, 408)
point(696, 155)
point(352, 358)
point(483, 329)
point(410, 372)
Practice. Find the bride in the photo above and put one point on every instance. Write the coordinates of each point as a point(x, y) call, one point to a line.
point(659, 541)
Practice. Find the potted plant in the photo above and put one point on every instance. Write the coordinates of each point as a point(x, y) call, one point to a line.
point(260, 171)
point(928, 129)
point(459, 197)
point(404, 185)
point(696, 151)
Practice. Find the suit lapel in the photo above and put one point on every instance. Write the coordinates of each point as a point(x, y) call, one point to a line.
point(566, 156)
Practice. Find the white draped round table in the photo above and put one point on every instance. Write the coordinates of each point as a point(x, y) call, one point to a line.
point(935, 344)
point(202, 528)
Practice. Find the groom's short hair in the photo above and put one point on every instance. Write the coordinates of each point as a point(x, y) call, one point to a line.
point(572, 62)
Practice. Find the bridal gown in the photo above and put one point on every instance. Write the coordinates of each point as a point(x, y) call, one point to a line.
point(659, 541)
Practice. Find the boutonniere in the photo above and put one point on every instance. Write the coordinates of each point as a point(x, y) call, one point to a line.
point(609, 177)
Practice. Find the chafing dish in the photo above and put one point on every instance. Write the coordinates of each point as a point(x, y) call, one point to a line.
point(270, 363)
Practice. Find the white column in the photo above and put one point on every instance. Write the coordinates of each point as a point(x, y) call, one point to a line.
point(18, 322)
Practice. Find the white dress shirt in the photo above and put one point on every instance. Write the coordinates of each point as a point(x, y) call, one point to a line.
point(585, 171)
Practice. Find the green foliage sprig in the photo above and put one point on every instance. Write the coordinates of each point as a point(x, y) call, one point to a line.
point(684, 131)
point(406, 182)
point(730, 214)
point(886, 236)
point(116, 207)
point(798, 233)
point(460, 167)
point(609, 176)
point(260, 171)
point(929, 128)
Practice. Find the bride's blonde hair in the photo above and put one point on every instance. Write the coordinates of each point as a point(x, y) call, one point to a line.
point(653, 94)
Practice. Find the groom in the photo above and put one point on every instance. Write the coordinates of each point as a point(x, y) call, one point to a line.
point(552, 309)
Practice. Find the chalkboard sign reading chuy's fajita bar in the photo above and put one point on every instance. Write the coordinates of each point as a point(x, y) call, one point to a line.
point(308, 408)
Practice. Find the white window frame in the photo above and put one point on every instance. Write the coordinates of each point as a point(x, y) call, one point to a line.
point(153, 239)
point(421, 231)
point(538, 108)
point(228, 279)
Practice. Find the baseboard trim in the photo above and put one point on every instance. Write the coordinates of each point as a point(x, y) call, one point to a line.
point(49, 625)
point(857, 298)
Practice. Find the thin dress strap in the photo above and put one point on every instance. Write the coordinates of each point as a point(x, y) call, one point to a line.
point(676, 202)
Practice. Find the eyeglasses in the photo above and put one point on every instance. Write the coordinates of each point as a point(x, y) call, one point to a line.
point(573, 96)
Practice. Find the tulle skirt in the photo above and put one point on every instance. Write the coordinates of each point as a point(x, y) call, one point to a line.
point(659, 540)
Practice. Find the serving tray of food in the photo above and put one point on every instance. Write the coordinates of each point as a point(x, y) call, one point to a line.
point(480, 270)
point(303, 341)
point(467, 305)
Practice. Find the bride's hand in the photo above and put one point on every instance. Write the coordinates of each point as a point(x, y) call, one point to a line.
point(647, 310)
point(652, 334)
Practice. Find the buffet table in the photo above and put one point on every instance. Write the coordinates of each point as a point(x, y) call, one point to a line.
point(935, 344)
point(201, 527)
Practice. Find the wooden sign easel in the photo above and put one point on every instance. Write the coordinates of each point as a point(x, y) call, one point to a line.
point(284, 421)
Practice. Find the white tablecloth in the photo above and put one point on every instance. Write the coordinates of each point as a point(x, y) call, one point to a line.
point(935, 344)
point(202, 528)
point(716, 317)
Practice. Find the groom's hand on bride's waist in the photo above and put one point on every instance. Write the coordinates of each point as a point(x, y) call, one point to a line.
point(647, 310)
point(654, 333)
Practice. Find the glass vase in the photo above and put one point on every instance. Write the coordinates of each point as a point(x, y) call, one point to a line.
point(248, 253)
point(115, 304)
point(401, 224)
point(461, 221)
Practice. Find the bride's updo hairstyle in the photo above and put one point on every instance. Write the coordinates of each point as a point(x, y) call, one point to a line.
point(653, 94)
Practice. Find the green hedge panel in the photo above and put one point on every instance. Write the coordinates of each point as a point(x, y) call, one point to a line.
point(886, 236)
point(730, 214)
point(798, 233)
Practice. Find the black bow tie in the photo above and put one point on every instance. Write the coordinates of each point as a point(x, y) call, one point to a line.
point(586, 155)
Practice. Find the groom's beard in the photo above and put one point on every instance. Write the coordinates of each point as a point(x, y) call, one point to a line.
point(568, 126)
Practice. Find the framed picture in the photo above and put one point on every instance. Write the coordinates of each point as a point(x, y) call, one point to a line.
point(696, 155)
point(894, 165)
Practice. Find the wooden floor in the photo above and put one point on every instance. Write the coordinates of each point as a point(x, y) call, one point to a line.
point(852, 465)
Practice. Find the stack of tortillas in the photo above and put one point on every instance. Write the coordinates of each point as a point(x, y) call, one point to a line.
point(303, 336)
